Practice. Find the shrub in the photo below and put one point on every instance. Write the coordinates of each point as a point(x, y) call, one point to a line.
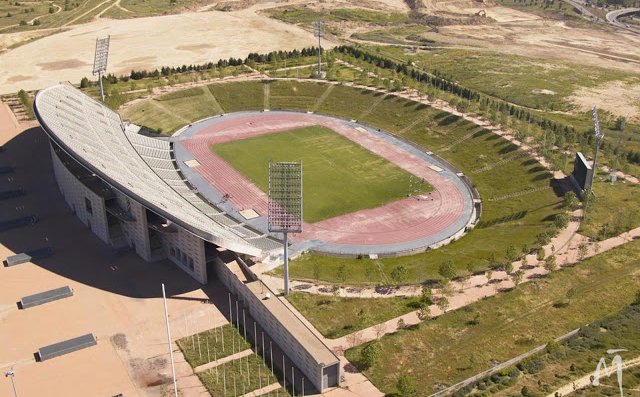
point(446, 270)
point(405, 386)
point(371, 354)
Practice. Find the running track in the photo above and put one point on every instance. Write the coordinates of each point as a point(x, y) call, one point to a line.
point(401, 221)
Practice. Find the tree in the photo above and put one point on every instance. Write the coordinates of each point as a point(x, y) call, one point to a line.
point(540, 254)
point(316, 271)
point(517, 277)
point(476, 318)
point(342, 273)
point(424, 312)
point(561, 220)
point(550, 263)
point(583, 250)
point(571, 293)
point(426, 296)
point(447, 271)
point(399, 274)
point(512, 254)
point(443, 304)
point(371, 353)
point(335, 291)
point(508, 267)
point(621, 123)
point(84, 83)
point(401, 324)
point(405, 386)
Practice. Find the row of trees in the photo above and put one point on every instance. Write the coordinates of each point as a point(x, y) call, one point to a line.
point(557, 133)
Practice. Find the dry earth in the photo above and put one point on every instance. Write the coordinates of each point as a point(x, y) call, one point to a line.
point(198, 37)
point(146, 43)
point(619, 98)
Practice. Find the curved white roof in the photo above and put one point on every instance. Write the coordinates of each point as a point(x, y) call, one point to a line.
point(139, 166)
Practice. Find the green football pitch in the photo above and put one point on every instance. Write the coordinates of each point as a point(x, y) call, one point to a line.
point(339, 176)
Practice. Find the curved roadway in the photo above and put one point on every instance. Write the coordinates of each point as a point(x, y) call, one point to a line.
point(612, 18)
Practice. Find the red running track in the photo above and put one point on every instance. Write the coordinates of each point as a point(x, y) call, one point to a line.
point(400, 221)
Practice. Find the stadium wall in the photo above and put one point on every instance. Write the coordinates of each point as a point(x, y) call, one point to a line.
point(75, 193)
point(181, 247)
point(315, 360)
point(188, 252)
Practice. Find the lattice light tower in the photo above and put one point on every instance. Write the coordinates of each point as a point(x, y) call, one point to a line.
point(100, 61)
point(318, 31)
point(285, 205)
point(599, 135)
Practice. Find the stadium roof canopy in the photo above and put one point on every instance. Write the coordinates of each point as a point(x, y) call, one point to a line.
point(139, 166)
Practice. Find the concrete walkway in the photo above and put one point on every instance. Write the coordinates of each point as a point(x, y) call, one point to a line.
point(223, 360)
point(263, 391)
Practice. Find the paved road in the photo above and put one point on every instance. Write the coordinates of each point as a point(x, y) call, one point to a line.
point(582, 8)
point(612, 18)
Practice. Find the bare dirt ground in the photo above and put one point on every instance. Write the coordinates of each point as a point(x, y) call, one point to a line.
point(198, 37)
point(616, 97)
point(145, 43)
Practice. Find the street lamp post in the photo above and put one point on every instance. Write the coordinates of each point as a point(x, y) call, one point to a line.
point(11, 374)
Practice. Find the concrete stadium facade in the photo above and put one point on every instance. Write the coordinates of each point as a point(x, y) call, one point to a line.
point(127, 189)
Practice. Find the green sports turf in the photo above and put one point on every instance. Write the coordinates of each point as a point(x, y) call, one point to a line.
point(339, 176)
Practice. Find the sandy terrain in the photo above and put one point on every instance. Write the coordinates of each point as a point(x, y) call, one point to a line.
point(117, 296)
point(146, 43)
point(616, 97)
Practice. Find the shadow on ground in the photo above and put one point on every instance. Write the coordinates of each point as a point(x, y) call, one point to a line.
point(79, 254)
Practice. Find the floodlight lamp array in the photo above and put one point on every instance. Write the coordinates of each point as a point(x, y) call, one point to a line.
point(285, 197)
point(101, 55)
point(318, 28)
point(596, 124)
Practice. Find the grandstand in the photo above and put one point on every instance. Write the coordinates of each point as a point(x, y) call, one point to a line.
point(127, 189)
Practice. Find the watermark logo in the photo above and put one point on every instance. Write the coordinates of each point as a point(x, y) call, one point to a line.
point(616, 364)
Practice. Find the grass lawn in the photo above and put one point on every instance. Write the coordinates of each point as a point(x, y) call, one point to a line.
point(294, 95)
point(221, 382)
point(246, 95)
point(169, 112)
point(614, 211)
point(336, 317)
point(154, 116)
point(448, 349)
point(220, 341)
point(306, 16)
point(578, 357)
point(339, 176)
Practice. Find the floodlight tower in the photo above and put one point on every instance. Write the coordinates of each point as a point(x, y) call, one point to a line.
point(319, 33)
point(285, 205)
point(599, 135)
point(100, 61)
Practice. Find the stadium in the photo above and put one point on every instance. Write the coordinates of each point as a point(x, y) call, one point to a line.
point(175, 198)
point(179, 199)
point(182, 176)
